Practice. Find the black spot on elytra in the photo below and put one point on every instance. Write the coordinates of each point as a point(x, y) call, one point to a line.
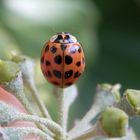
point(79, 50)
point(57, 73)
point(68, 59)
point(55, 83)
point(42, 59)
point(53, 49)
point(76, 74)
point(68, 74)
point(63, 46)
point(59, 37)
point(80, 74)
point(49, 74)
point(47, 48)
point(78, 63)
point(47, 63)
point(58, 59)
point(68, 84)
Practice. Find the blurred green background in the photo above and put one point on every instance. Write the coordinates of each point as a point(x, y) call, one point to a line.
point(109, 31)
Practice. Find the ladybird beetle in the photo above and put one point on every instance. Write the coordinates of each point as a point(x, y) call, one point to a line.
point(62, 60)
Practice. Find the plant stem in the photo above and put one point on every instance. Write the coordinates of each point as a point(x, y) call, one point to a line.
point(25, 131)
point(61, 119)
point(65, 121)
point(83, 123)
point(16, 88)
point(24, 101)
point(61, 99)
point(92, 133)
point(38, 100)
point(54, 127)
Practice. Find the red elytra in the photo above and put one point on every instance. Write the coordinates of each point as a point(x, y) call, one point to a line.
point(62, 60)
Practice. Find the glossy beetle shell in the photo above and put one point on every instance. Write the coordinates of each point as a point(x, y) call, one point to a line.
point(62, 60)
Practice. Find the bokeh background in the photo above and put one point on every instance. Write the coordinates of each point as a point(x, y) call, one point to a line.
point(109, 31)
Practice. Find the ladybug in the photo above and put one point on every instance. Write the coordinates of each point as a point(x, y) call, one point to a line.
point(62, 60)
